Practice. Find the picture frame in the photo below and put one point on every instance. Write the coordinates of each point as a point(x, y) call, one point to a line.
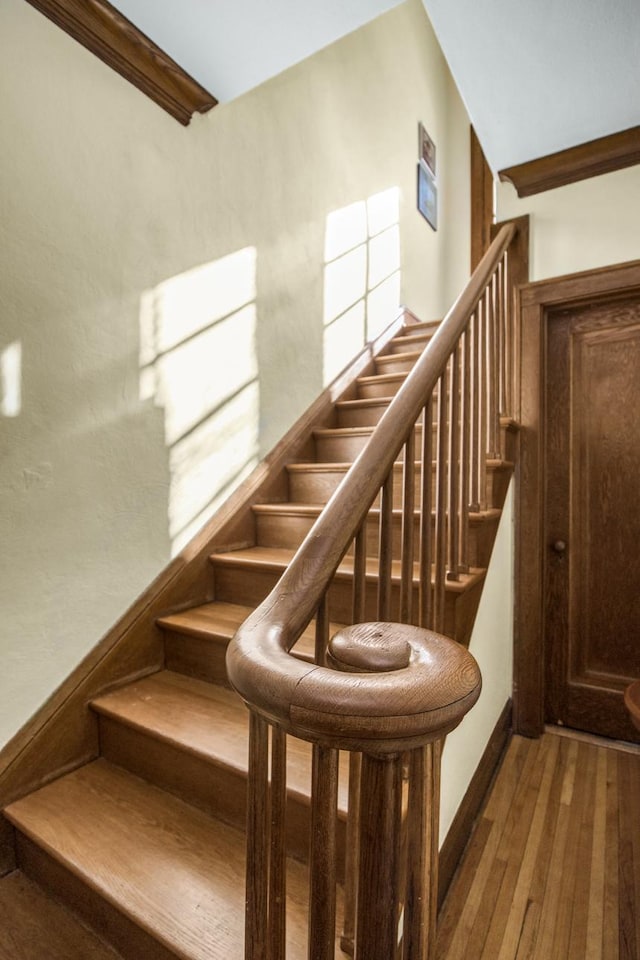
point(426, 149)
point(427, 192)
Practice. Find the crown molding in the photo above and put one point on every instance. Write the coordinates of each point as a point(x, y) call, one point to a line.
point(604, 155)
point(103, 30)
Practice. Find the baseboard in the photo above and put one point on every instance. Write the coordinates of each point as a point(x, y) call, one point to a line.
point(460, 830)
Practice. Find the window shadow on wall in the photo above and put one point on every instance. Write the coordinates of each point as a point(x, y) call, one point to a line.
point(361, 276)
point(198, 362)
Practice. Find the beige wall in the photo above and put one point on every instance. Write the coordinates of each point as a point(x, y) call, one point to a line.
point(128, 403)
point(584, 225)
point(492, 646)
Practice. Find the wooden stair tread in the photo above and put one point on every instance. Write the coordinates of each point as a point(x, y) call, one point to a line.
point(33, 926)
point(276, 559)
point(216, 619)
point(426, 326)
point(409, 355)
point(382, 377)
point(201, 718)
point(297, 509)
point(317, 466)
point(220, 620)
point(168, 867)
point(409, 339)
point(363, 403)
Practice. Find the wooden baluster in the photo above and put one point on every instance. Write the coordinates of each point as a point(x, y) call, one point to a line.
point(422, 876)
point(492, 368)
point(440, 551)
point(511, 360)
point(348, 938)
point(322, 631)
point(516, 335)
point(380, 829)
point(359, 575)
point(476, 446)
point(496, 368)
point(483, 317)
point(322, 855)
point(256, 916)
point(502, 341)
point(385, 549)
point(465, 423)
point(426, 531)
point(408, 527)
point(453, 493)
point(278, 865)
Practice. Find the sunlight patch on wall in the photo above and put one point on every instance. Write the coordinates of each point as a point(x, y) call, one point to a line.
point(11, 380)
point(361, 276)
point(198, 362)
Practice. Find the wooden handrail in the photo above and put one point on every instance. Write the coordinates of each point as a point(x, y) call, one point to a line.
point(387, 691)
point(280, 687)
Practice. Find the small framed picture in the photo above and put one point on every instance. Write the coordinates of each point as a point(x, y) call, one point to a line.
point(426, 149)
point(427, 195)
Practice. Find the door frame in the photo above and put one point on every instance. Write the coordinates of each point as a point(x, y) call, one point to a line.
point(536, 302)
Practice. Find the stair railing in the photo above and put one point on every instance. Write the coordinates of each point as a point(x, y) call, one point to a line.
point(388, 692)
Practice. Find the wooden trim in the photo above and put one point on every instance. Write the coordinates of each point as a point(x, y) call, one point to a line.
point(604, 155)
point(482, 213)
point(63, 734)
point(117, 42)
point(460, 830)
point(537, 301)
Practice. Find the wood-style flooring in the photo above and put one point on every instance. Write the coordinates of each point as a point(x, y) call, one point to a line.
point(552, 870)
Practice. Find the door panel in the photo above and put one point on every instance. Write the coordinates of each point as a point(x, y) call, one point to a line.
point(592, 516)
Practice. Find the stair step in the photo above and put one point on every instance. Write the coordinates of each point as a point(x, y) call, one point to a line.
point(420, 327)
point(380, 385)
point(317, 482)
point(342, 444)
point(365, 412)
point(248, 576)
point(196, 639)
point(34, 926)
point(397, 362)
point(190, 738)
point(409, 342)
point(361, 413)
point(287, 524)
point(160, 878)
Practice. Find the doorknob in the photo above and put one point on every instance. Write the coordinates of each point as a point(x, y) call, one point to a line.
point(559, 546)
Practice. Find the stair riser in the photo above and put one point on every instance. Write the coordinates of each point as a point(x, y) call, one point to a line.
point(238, 584)
point(407, 344)
point(365, 416)
point(344, 448)
point(199, 657)
point(371, 389)
point(310, 487)
point(99, 915)
point(361, 416)
point(214, 788)
point(395, 363)
point(289, 531)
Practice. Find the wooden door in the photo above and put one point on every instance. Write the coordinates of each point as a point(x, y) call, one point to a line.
point(592, 515)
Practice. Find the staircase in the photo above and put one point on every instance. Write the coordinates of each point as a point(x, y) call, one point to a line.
point(140, 853)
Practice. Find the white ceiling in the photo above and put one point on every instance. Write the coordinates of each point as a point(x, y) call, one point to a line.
point(230, 46)
point(536, 75)
point(541, 75)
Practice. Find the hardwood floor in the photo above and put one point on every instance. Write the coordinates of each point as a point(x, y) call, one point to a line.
point(552, 870)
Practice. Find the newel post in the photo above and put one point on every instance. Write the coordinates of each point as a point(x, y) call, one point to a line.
point(398, 815)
